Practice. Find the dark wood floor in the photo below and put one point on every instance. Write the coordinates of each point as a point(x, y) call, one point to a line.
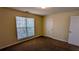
point(42, 44)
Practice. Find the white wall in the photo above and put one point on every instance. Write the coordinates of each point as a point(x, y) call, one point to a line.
point(57, 25)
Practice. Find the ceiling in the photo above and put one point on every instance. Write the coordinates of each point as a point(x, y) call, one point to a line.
point(46, 11)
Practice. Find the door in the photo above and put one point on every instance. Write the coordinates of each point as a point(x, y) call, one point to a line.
point(74, 30)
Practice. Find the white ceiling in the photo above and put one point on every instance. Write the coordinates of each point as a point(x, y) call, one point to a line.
point(46, 11)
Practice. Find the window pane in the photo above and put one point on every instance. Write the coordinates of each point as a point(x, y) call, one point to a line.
point(30, 26)
point(21, 21)
point(21, 27)
point(21, 32)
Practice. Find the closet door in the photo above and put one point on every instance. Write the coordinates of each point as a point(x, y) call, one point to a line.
point(74, 31)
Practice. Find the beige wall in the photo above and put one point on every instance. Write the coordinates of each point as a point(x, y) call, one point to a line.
point(39, 25)
point(8, 25)
point(60, 27)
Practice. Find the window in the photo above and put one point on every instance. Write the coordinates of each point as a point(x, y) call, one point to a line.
point(25, 27)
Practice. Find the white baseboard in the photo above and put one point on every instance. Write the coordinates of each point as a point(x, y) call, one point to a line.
point(18, 42)
point(56, 38)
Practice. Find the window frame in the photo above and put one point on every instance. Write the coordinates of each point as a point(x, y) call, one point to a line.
point(26, 29)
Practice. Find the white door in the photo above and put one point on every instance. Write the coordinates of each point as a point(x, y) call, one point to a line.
point(74, 30)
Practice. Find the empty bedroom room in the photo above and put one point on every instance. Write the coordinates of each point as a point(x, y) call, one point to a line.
point(39, 29)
